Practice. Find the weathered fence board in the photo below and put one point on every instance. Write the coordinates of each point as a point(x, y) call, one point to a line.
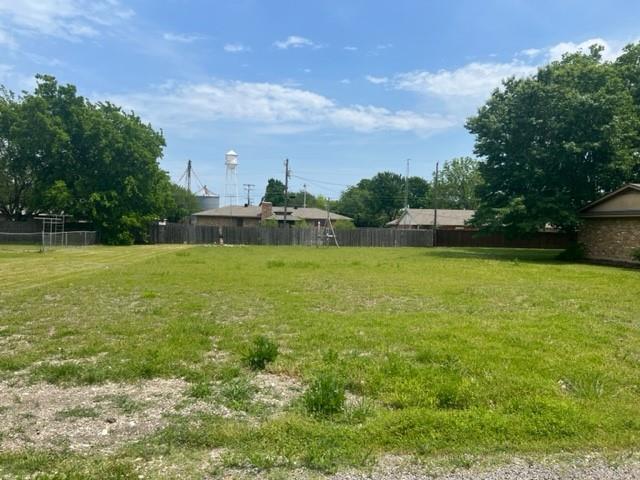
point(359, 237)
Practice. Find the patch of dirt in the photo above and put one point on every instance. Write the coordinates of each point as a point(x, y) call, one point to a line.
point(14, 343)
point(276, 391)
point(101, 416)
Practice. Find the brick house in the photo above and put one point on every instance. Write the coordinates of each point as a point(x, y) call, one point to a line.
point(610, 230)
point(253, 215)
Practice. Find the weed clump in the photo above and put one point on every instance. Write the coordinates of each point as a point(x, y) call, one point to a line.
point(261, 352)
point(325, 396)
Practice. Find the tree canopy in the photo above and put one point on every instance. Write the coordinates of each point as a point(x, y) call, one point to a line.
point(553, 142)
point(457, 185)
point(61, 153)
point(374, 202)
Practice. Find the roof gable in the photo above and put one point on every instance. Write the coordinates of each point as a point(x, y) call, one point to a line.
point(623, 202)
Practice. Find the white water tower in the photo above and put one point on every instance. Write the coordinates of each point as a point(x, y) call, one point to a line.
point(231, 178)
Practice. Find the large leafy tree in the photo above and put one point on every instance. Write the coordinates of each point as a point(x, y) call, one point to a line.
point(457, 185)
point(375, 201)
point(553, 142)
point(60, 152)
point(274, 192)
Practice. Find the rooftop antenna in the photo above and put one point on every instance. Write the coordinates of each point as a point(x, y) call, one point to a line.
point(231, 177)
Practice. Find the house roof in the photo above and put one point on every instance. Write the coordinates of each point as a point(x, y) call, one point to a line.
point(237, 211)
point(623, 202)
point(308, 213)
point(425, 216)
point(253, 211)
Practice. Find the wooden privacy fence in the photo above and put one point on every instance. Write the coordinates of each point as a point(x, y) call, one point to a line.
point(360, 237)
point(466, 238)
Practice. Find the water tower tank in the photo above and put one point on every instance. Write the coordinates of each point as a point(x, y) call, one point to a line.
point(208, 202)
point(231, 158)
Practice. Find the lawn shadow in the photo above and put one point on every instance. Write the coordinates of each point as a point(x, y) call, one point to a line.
point(524, 255)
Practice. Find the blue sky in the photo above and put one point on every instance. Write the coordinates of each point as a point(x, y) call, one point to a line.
point(344, 89)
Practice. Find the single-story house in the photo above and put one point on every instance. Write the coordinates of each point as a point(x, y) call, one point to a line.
point(610, 228)
point(424, 218)
point(253, 215)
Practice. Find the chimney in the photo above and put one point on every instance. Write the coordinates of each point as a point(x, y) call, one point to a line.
point(266, 210)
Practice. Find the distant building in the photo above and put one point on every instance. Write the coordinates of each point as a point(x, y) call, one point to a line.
point(424, 218)
point(610, 228)
point(252, 216)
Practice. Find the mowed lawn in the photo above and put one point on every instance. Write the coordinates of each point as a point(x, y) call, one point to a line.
point(444, 353)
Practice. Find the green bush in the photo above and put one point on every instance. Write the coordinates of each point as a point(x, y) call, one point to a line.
point(269, 222)
point(325, 396)
point(636, 254)
point(573, 253)
point(261, 352)
point(343, 225)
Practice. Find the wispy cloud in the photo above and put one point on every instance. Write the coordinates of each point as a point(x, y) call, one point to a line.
point(7, 40)
point(294, 41)
point(472, 80)
point(68, 19)
point(191, 106)
point(376, 80)
point(181, 37)
point(612, 49)
point(350, 48)
point(236, 48)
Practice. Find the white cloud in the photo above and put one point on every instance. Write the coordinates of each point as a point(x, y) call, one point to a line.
point(345, 81)
point(472, 80)
point(181, 37)
point(294, 41)
point(69, 19)
point(236, 48)
point(15, 81)
point(376, 80)
point(611, 49)
point(350, 48)
point(531, 52)
point(270, 107)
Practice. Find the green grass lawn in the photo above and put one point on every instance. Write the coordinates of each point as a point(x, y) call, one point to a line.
point(443, 352)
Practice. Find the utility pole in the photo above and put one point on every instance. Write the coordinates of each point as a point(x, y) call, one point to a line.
point(189, 176)
point(435, 207)
point(287, 173)
point(304, 198)
point(406, 187)
point(248, 187)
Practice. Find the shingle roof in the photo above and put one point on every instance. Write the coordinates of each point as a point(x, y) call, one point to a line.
point(253, 211)
point(309, 213)
point(425, 216)
point(231, 211)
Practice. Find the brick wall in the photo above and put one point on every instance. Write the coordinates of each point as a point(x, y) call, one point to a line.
point(610, 238)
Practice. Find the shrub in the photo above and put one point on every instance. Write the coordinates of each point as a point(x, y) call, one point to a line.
point(343, 225)
point(635, 254)
point(325, 396)
point(261, 352)
point(573, 253)
point(269, 222)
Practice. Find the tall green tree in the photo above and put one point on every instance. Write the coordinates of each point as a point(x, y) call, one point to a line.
point(58, 151)
point(555, 141)
point(457, 186)
point(274, 192)
point(374, 202)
